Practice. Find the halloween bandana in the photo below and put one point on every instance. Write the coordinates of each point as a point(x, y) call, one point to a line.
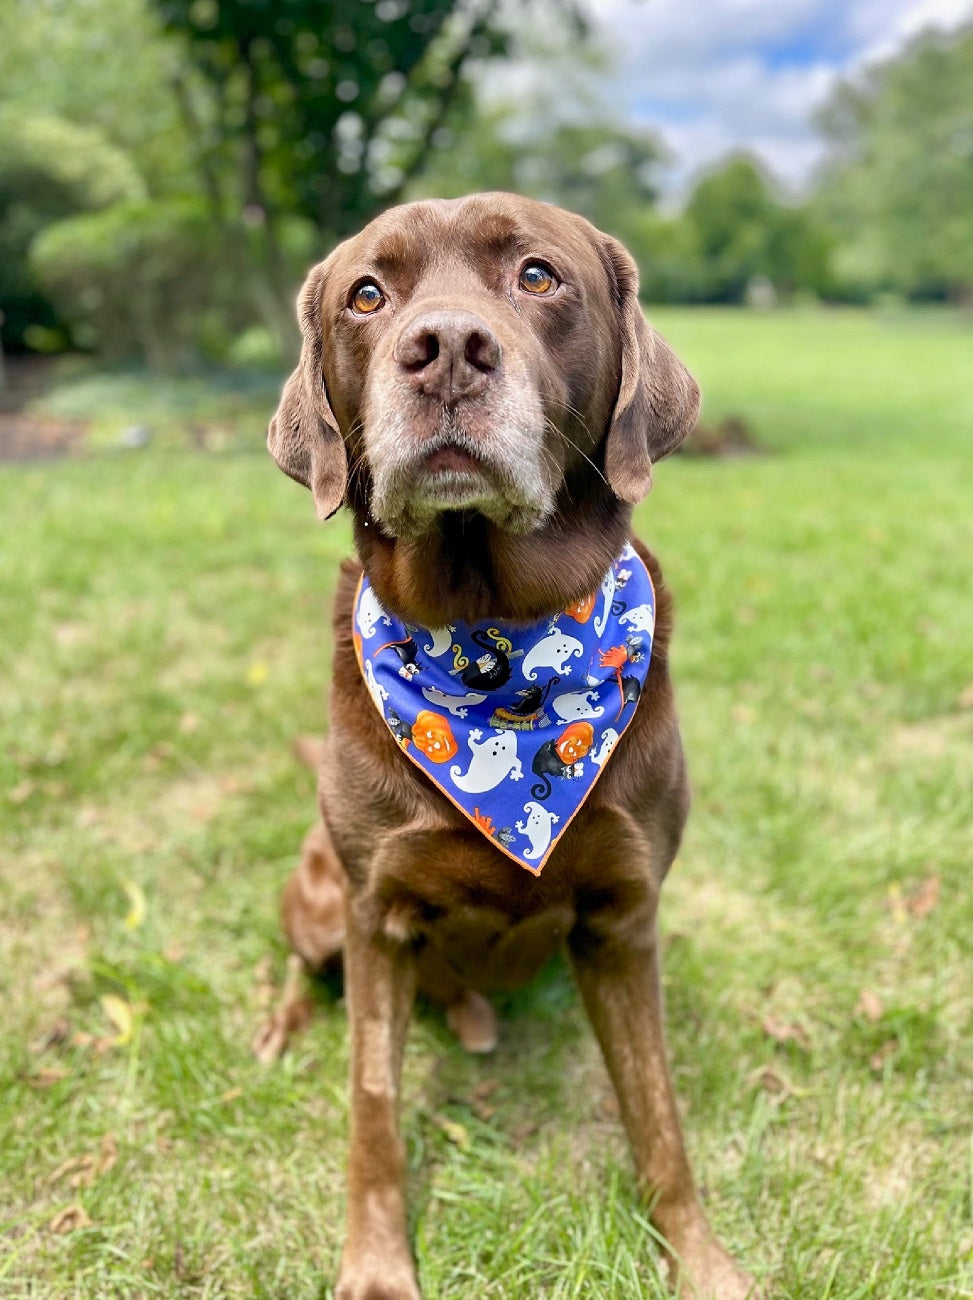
point(514, 723)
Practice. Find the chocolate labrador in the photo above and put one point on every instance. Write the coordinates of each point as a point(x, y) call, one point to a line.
point(478, 385)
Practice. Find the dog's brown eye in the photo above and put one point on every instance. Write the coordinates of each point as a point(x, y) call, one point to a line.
point(537, 279)
point(367, 298)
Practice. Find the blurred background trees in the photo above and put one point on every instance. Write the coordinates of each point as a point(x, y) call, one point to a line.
point(169, 168)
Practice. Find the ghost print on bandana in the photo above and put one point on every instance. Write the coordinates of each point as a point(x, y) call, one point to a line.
point(514, 723)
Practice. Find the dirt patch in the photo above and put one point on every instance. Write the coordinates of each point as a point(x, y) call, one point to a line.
point(731, 437)
point(31, 437)
point(36, 437)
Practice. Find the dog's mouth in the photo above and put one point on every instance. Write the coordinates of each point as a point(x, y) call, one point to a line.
point(452, 461)
point(458, 466)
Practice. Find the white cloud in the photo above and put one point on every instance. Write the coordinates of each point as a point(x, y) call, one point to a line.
point(749, 74)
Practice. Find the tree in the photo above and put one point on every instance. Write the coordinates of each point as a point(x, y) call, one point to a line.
point(602, 170)
point(899, 188)
point(740, 230)
point(327, 107)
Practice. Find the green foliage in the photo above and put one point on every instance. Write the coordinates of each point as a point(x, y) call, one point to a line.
point(738, 231)
point(135, 278)
point(49, 166)
point(900, 192)
point(327, 109)
point(600, 169)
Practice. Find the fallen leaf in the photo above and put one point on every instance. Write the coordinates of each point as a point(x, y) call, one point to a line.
point(47, 1077)
point(455, 1132)
point(774, 1081)
point(81, 1171)
point(108, 1155)
point(310, 750)
point(896, 905)
point(869, 1005)
point(136, 910)
point(69, 1220)
point(65, 1167)
point(119, 1012)
point(231, 1094)
point(924, 900)
point(878, 1059)
point(781, 1032)
point(58, 1033)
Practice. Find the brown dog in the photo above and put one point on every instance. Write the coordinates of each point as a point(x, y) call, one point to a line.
point(477, 383)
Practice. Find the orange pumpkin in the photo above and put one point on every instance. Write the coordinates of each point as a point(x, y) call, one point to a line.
point(431, 733)
point(580, 611)
point(574, 742)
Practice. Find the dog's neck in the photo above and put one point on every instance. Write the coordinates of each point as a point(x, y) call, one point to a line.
point(467, 568)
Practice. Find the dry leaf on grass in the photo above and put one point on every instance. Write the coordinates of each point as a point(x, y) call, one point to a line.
point(136, 905)
point(47, 1077)
point(81, 1171)
point(57, 1034)
point(69, 1220)
point(869, 1005)
point(878, 1059)
point(120, 1013)
point(782, 1032)
point(455, 1132)
point(481, 1105)
point(775, 1082)
point(310, 750)
point(925, 898)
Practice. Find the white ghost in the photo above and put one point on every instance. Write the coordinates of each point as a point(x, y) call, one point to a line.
point(575, 705)
point(640, 618)
point(458, 705)
point(609, 740)
point(552, 651)
point(492, 761)
point(538, 828)
point(370, 612)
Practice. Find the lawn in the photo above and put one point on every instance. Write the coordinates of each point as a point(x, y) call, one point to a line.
point(165, 617)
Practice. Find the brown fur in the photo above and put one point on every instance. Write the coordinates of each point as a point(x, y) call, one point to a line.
point(417, 897)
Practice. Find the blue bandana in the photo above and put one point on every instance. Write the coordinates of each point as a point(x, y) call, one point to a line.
point(514, 724)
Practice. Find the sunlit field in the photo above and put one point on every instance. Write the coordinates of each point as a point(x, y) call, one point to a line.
point(164, 617)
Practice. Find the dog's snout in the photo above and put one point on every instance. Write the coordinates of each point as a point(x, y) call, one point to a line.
point(448, 354)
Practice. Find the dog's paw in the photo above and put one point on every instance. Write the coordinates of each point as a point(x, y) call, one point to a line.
point(377, 1279)
point(715, 1275)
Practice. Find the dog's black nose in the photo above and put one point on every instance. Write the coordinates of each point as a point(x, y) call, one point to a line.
point(448, 354)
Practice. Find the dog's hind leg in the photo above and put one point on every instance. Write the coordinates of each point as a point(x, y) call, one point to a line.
point(313, 915)
point(313, 906)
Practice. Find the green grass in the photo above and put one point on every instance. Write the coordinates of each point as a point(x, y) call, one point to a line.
point(165, 637)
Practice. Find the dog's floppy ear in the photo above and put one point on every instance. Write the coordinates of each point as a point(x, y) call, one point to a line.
point(658, 399)
point(304, 438)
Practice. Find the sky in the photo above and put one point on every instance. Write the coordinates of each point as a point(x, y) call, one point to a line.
point(716, 76)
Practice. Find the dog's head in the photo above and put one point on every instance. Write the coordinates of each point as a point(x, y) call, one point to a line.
point(483, 356)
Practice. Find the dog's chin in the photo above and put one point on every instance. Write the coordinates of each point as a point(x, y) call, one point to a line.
point(444, 485)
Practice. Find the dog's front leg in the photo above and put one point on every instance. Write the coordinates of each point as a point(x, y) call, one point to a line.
point(376, 1263)
point(618, 975)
